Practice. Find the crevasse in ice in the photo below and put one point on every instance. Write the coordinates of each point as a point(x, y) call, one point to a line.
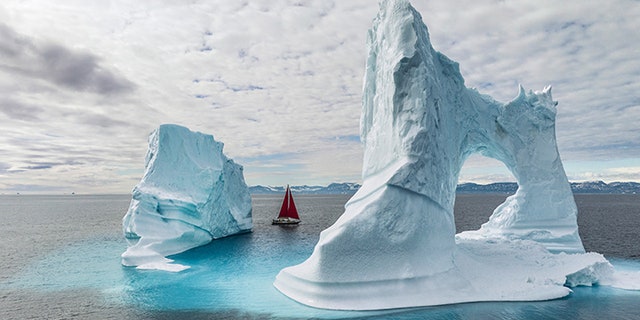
point(395, 245)
point(190, 194)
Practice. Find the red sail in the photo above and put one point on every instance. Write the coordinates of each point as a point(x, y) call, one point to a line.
point(292, 212)
point(285, 205)
point(288, 209)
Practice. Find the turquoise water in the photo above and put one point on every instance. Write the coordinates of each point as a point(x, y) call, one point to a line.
point(78, 273)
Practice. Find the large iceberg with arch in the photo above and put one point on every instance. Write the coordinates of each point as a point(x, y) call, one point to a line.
point(190, 194)
point(395, 245)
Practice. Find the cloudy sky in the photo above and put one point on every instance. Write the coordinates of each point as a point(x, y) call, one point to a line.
point(83, 83)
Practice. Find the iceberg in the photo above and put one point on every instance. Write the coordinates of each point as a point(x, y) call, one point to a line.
point(395, 245)
point(190, 194)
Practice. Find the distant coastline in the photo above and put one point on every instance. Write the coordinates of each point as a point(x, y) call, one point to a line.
point(334, 188)
point(590, 187)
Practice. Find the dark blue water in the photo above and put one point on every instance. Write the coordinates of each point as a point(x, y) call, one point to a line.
point(59, 258)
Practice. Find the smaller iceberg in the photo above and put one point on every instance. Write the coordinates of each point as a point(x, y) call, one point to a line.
point(190, 194)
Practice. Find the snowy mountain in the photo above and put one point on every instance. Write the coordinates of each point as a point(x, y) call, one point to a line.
point(498, 187)
point(602, 187)
point(334, 188)
point(576, 187)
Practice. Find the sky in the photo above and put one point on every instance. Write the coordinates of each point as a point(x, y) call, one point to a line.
point(83, 83)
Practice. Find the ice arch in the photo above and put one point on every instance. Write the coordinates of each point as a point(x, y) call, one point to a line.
point(522, 136)
point(419, 123)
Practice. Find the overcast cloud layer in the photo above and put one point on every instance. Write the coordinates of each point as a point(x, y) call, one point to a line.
point(83, 83)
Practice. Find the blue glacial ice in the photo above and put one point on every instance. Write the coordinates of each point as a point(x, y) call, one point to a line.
point(190, 194)
point(395, 245)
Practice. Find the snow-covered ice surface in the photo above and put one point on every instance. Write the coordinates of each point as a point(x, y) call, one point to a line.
point(395, 245)
point(190, 194)
point(484, 270)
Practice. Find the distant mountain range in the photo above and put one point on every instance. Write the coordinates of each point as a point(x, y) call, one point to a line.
point(601, 187)
point(498, 187)
point(576, 187)
point(334, 188)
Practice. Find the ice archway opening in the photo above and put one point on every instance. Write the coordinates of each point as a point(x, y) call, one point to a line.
point(473, 208)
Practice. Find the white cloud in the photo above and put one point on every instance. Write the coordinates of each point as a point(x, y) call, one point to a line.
point(283, 77)
point(615, 174)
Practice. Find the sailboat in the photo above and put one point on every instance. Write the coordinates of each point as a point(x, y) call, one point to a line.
point(288, 212)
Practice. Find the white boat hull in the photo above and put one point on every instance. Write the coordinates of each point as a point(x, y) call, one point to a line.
point(285, 221)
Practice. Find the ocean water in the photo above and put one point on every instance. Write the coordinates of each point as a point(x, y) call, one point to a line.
point(59, 259)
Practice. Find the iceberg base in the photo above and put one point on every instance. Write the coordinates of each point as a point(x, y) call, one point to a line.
point(528, 272)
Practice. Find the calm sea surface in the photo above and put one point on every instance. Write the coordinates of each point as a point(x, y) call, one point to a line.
point(59, 259)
